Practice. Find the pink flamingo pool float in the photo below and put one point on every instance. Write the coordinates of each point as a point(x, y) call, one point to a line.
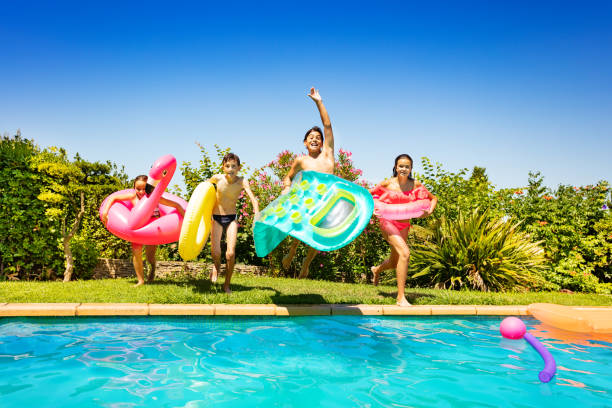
point(135, 223)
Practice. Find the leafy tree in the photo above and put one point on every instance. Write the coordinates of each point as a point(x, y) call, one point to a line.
point(457, 193)
point(479, 175)
point(572, 223)
point(207, 168)
point(68, 185)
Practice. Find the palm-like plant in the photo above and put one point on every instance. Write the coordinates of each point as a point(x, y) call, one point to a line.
point(478, 252)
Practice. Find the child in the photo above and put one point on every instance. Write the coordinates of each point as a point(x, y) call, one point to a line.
point(229, 186)
point(396, 232)
point(320, 146)
point(140, 185)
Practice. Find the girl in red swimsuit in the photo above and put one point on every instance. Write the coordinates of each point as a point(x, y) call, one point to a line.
point(401, 188)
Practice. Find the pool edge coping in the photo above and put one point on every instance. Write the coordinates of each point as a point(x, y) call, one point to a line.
point(156, 309)
point(153, 309)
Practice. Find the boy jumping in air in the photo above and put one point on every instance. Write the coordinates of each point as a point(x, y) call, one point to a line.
point(320, 157)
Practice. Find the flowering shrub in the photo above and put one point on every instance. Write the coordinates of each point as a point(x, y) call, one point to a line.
point(573, 224)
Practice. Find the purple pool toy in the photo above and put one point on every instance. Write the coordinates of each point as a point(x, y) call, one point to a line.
point(514, 329)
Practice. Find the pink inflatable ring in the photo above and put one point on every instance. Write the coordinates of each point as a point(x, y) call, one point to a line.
point(395, 205)
point(135, 223)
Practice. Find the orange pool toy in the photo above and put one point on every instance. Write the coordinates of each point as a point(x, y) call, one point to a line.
point(583, 319)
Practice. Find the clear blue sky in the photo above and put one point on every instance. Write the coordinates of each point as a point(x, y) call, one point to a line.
point(511, 87)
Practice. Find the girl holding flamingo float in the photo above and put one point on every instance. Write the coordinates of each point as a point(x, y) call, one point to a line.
point(143, 216)
point(401, 190)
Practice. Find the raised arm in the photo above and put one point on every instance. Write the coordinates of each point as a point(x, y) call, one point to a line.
point(328, 134)
point(247, 189)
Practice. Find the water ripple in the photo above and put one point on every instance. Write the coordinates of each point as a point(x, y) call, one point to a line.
point(314, 361)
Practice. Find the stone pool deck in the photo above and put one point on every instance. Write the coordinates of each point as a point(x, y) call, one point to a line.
point(152, 309)
point(146, 309)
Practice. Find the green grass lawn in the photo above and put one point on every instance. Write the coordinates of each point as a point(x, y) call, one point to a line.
point(260, 290)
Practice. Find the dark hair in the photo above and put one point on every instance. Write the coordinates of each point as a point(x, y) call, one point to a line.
point(148, 188)
point(230, 156)
point(403, 156)
point(142, 177)
point(314, 129)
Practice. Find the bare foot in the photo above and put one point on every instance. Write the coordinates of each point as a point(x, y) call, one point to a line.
point(402, 302)
point(214, 275)
point(227, 290)
point(151, 276)
point(140, 283)
point(376, 273)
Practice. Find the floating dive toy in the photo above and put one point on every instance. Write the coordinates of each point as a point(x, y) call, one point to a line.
point(513, 328)
point(321, 210)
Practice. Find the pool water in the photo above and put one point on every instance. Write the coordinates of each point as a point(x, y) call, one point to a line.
point(293, 362)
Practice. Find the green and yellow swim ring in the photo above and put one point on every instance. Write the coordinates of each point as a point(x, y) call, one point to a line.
point(321, 210)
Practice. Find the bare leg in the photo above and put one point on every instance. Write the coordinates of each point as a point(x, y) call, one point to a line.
point(215, 249)
point(398, 242)
point(306, 263)
point(150, 251)
point(230, 254)
point(389, 263)
point(138, 266)
point(289, 257)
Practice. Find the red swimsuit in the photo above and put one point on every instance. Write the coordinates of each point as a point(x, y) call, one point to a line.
point(393, 227)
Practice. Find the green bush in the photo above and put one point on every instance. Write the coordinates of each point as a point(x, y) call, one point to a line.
point(28, 238)
point(572, 223)
point(476, 251)
point(85, 255)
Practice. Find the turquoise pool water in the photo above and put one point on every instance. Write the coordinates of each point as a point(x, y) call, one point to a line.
point(292, 362)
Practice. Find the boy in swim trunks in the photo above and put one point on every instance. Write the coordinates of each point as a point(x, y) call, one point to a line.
point(320, 157)
point(229, 186)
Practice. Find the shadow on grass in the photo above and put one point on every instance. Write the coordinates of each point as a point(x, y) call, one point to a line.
point(205, 286)
point(298, 299)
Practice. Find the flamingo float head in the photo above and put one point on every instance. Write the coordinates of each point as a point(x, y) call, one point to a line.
point(163, 168)
point(159, 176)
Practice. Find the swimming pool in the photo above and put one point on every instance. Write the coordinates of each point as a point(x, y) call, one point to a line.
point(292, 362)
